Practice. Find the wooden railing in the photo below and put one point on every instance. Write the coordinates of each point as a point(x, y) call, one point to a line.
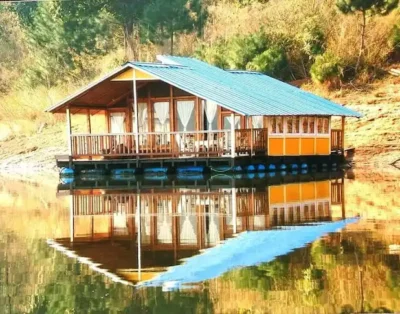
point(170, 144)
point(337, 140)
point(153, 144)
point(251, 141)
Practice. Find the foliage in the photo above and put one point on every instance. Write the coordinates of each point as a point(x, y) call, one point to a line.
point(263, 277)
point(395, 38)
point(312, 38)
point(381, 7)
point(64, 50)
point(371, 7)
point(327, 67)
point(256, 52)
point(57, 45)
point(169, 18)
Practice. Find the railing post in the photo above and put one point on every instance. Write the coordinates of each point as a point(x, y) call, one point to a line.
point(343, 127)
point(233, 136)
point(250, 120)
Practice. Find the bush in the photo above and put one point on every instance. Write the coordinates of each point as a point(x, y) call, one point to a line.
point(326, 67)
point(272, 62)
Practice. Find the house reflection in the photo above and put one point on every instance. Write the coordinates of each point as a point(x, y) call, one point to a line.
point(138, 234)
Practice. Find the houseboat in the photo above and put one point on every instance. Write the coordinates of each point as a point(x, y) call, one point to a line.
point(182, 111)
point(140, 234)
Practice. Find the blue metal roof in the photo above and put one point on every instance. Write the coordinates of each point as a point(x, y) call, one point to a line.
point(247, 249)
point(247, 93)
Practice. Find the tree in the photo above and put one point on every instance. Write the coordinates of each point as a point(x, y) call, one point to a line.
point(366, 7)
point(165, 19)
point(61, 35)
point(129, 15)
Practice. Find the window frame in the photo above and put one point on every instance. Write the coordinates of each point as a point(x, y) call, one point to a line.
point(270, 122)
point(293, 118)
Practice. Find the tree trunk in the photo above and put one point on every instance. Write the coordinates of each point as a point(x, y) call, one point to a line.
point(130, 42)
point(362, 47)
point(172, 43)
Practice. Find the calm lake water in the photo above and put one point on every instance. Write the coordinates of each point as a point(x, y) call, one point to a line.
point(310, 243)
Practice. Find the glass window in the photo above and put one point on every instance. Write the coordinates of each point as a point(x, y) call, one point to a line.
point(227, 122)
point(186, 115)
point(320, 125)
point(305, 125)
point(277, 125)
point(326, 125)
point(293, 125)
point(289, 124)
point(296, 125)
point(323, 125)
point(311, 125)
point(308, 125)
point(142, 117)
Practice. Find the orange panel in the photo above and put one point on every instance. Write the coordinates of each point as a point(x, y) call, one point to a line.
point(308, 191)
point(292, 146)
point(82, 226)
point(307, 146)
point(128, 75)
point(323, 146)
point(275, 147)
point(277, 194)
point(293, 193)
point(323, 188)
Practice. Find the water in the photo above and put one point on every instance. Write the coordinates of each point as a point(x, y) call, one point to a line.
point(316, 243)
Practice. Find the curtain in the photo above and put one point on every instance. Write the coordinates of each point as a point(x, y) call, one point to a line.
point(185, 110)
point(188, 220)
point(142, 116)
point(117, 122)
point(237, 121)
point(161, 110)
point(258, 122)
point(211, 111)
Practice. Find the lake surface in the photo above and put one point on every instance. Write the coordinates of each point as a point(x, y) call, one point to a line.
point(299, 243)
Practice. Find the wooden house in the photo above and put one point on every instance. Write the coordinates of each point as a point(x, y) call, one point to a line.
point(182, 108)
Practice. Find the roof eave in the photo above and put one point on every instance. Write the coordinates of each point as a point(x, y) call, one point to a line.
point(61, 104)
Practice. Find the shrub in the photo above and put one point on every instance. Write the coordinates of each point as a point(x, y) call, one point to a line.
point(326, 67)
point(272, 62)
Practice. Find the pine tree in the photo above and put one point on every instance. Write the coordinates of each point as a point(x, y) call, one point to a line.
point(168, 18)
point(366, 7)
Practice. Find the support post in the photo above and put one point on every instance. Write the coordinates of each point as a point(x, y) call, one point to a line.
point(89, 124)
point(250, 121)
point(139, 234)
point(135, 108)
point(71, 219)
point(343, 128)
point(234, 210)
point(233, 136)
point(343, 200)
point(69, 132)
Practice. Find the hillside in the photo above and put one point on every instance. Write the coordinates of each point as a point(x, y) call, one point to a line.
point(376, 136)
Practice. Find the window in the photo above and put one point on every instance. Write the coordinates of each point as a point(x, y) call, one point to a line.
point(142, 118)
point(277, 125)
point(308, 125)
point(323, 125)
point(292, 125)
